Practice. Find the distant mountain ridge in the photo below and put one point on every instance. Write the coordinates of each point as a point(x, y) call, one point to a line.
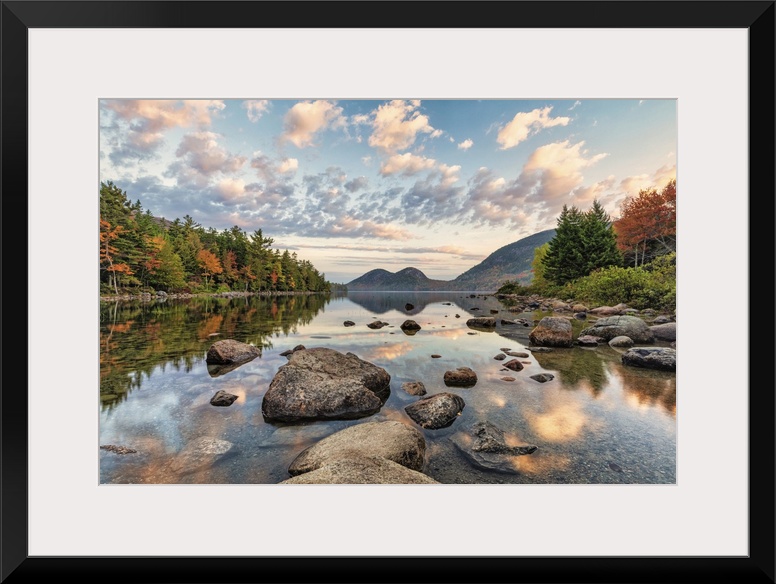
point(404, 280)
point(511, 262)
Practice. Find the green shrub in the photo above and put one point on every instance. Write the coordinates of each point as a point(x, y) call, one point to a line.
point(512, 287)
point(650, 286)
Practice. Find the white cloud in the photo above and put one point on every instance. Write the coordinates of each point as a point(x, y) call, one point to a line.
point(576, 103)
point(525, 124)
point(406, 164)
point(202, 153)
point(466, 144)
point(288, 165)
point(133, 129)
point(153, 115)
point(449, 175)
point(396, 125)
point(558, 169)
point(256, 108)
point(230, 188)
point(631, 185)
point(305, 119)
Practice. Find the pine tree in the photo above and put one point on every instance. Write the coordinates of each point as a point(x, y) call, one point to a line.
point(564, 260)
point(583, 242)
point(600, 240)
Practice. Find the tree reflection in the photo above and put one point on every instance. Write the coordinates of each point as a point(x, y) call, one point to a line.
point(575, 366)
point(137, 337)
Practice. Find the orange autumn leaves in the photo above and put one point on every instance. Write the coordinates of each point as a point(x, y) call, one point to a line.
point(647, 223)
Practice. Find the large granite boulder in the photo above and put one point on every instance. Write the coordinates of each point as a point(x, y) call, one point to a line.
point(485, 445)
point(621, 342)
point(229, 351)
point(626, 325)
point(663, 359)
point(360, 471)
point(665, 331)
point(321, 384)
point(391, 440)
point(436, 411)
point(552, 331)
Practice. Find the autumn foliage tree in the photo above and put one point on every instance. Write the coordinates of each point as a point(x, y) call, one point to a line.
point(209, 264)
point(646, 228)
point(140, 250)
point(108, 252)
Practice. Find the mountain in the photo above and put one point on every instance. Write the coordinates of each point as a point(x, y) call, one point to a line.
point(406, 279)
point(511, 262)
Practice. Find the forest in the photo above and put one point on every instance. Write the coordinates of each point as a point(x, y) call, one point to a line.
point(140, 252)
point(597, 259)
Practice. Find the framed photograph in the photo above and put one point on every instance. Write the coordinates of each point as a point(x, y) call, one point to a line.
point(405, 213)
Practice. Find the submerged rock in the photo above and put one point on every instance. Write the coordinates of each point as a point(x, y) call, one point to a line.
point(500, 357)
point(322, 383)
point(514, 365)
point(290, 352)
point(485, 445)
point(391, 440)
point(349, 323)
point(118, 449)
point(377, 324)
point(222, 398)
point(543, 377)
point(436, 411)
point(200, 453)
point(481, 322)
point(414, 387)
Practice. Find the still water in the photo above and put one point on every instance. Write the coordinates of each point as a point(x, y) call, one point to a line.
point(596, 422)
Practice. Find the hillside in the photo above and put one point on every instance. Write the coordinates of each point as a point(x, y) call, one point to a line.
point(406, 279)
point(511, 262)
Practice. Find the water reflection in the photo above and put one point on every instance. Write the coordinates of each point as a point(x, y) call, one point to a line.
point(138, 337)
point(595, 416)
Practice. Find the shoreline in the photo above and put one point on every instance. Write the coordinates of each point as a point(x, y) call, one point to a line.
point(147, 296)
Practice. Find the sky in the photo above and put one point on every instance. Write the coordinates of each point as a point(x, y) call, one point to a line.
point(353, 185)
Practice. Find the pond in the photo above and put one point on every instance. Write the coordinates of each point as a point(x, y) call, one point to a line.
point(596, 421)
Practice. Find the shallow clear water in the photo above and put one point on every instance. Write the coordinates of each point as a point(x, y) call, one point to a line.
point(597, 421)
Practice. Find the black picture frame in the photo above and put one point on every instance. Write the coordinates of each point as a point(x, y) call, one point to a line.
point(17, 566)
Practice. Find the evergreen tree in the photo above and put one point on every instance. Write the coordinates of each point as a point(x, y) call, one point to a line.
point(583, 242)
point(600, 240)
point(564, 260)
